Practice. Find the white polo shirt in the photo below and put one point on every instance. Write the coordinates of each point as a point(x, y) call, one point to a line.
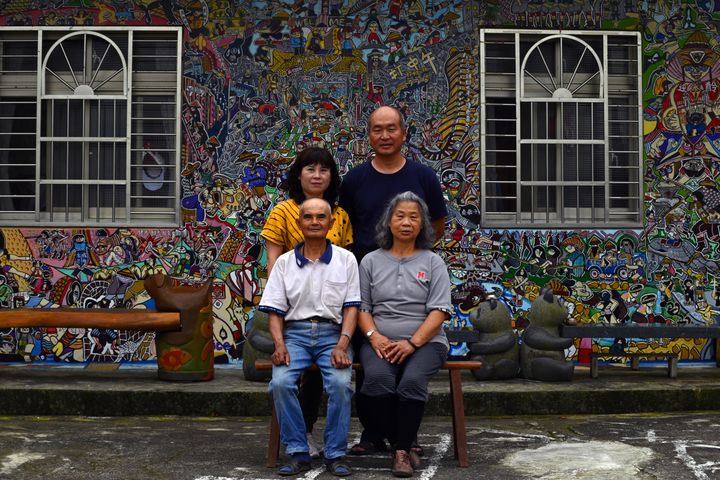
point(300, 289)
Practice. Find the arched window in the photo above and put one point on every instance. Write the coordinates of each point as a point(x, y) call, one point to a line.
point(100, 113)
point(561, 136)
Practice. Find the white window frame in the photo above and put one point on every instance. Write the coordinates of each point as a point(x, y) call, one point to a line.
point(510, 86)
point(141, 207)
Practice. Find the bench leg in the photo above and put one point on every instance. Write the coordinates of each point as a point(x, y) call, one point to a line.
point(672, 367)
point(458, 417)
point(273, 451)
point(635, 363)
point(594, 367)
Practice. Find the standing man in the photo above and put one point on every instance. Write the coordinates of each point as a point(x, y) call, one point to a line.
point(367, 188)
point(312, 299)
point(364, 193)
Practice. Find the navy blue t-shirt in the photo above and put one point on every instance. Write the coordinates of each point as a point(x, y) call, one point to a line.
point(365, 192)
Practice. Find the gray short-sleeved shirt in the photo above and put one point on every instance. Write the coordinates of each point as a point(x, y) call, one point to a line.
point(401, 291)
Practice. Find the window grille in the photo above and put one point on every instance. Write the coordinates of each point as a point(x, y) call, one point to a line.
point(90, 126)
point(560, 129)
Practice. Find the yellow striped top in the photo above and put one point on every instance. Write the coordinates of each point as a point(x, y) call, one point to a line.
point(281, 227)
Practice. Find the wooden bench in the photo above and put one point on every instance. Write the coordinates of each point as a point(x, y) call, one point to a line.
point(672, 359)
point(645, 331)
point(183, 320)
point(117, 319)
point(456, 398)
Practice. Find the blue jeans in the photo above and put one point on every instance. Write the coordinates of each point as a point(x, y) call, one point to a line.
point(308, 343)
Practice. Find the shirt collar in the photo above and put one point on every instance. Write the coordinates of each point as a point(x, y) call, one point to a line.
point(302, 261)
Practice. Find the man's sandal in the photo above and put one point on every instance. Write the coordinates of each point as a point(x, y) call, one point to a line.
point(338, 467)
point(294, 468)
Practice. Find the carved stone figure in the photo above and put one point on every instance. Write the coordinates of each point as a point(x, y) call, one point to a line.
point(498, 347)
point(542, 355)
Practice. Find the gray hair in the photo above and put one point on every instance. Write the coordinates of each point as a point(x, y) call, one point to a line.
point(383, 235)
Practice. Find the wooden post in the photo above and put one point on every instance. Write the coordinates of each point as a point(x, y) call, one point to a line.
point(273, 450)
point(458, 416)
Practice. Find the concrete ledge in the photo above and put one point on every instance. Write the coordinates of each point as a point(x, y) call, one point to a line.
point(52, 390)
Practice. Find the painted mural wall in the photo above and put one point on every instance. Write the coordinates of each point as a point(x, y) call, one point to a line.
point(264, 79)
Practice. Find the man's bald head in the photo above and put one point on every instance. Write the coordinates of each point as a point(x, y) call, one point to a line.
point(310, 202)
point(387, 110)
point(315, 219)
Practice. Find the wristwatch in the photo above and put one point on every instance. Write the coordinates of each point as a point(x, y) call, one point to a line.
point(369, 333)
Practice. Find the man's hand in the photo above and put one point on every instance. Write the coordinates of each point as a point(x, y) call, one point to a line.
point(398, 352)
point(379, 343)
point(280, 356)
point(339, 358)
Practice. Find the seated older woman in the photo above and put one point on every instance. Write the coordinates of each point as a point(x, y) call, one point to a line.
point(405, 292)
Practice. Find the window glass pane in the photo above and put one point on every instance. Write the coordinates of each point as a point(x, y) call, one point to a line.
point(107, 196)
point(497, 111)
point(11, 200)
point(111, 122)
point(495, 142)
point(160, 142)
point(570, 201)
point(570, 162)
point(500, 189)
point(500, 158)
point(107, 161)
point(12, 155)
point(154, 54)
point(18, 55)
point(569, 121)
point(500, 54)
point(66, 160)
point(67, 56)
point(598, 157)
point(104, 56)
point(500, 205)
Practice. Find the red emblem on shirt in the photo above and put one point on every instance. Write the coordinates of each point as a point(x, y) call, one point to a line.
point(421, 275)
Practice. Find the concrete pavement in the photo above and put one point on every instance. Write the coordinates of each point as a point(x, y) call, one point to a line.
point(105, 390)
point(615, 447)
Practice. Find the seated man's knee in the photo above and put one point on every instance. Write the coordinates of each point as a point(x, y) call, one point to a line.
point(283, 381)
point(339, 382)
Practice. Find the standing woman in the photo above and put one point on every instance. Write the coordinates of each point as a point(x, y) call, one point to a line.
point(405, 291)
point(313, 174)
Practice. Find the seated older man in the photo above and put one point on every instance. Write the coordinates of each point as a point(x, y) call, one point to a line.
point(312, 299)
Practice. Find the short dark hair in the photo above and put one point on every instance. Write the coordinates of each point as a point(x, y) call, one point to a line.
point(313, 156)
point(426, 236)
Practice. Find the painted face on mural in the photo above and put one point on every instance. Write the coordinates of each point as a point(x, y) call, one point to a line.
point(314, 180)
point(386, 133)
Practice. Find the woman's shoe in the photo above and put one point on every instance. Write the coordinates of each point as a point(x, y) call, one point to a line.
point(366, 447)
point(401, 466)
point(414, 459)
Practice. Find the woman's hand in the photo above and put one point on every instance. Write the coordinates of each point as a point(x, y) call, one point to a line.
point(379, 343)
point(398, 352)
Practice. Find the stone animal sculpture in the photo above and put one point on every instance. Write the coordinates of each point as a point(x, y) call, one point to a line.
point(497, 348)
point(542, 355)
point(259, 345)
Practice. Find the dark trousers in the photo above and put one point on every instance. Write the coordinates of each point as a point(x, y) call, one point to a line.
point(310, 396)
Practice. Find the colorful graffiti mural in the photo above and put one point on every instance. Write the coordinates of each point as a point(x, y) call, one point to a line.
point(264, 79)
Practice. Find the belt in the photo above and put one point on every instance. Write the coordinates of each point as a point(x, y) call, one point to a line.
point(316, 320)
